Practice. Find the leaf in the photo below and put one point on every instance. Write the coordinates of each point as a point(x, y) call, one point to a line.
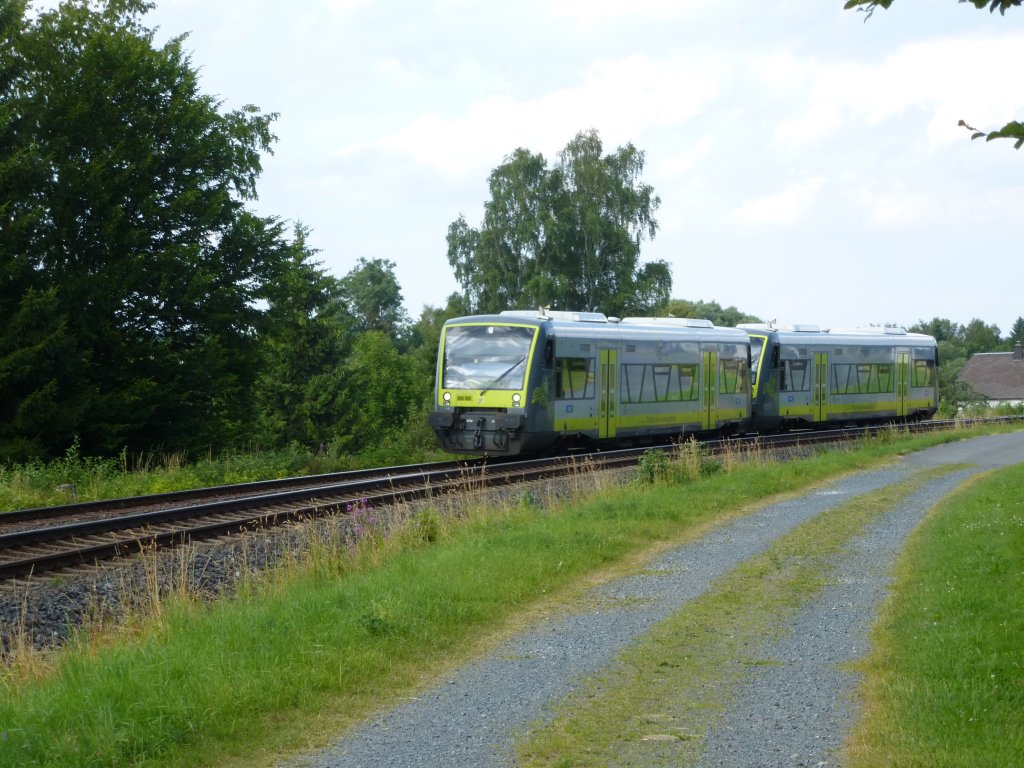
point(1013, 130)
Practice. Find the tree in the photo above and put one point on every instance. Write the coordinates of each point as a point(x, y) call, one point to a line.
point(1012, 130)
point(1017, 332)
point(567, 236)
point(380, 392)
point(304, 340)
point(372, 296)
point(498, 265)
point(709, 310)
point(122, 199)
point(869, 6)
point(941, 328)
point(979, 337)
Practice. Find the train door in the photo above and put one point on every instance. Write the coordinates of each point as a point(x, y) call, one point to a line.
point(902, 383)
point(819, 403)
point(607, 395)
point(709, 390)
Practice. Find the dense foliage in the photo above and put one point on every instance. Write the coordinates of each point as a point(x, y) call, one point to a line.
point(566, 236)
point(142, 304)
point(145, 308)
point(129, 261)
point(709, 310)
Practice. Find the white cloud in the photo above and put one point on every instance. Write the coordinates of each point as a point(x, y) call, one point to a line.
point(345, 7)
point(781, 209)
point(939, 77)
point(900, 207)
point(683, 162)
point(621, 98)
point(586, 12)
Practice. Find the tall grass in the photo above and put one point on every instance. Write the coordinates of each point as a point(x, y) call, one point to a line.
point(74, 477)
point(945, 683)
point(237, 682)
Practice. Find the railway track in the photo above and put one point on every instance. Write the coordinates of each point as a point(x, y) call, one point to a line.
point(85, 533)
point(33, 542)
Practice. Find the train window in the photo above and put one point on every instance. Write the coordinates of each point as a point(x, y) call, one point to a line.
point(926, 353)
point(851, 379)
point(659, 383)
point(632, 383)
point(639, 383)
point(486, 356)
point(663, 383)
point(756, 347)
point(885, 378)
point(732, 377)
point(574, 378)
point(795, 376)
point(689, 382)
point(861, 379)
point(924, 374)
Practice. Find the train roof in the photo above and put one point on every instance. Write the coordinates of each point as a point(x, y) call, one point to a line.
point(596, 324)
point(807, 333)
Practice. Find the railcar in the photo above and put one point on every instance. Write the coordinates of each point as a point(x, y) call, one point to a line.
point(530, 381)
point(806, 377)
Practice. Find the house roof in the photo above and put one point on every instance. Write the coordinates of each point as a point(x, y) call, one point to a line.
point(996, 375)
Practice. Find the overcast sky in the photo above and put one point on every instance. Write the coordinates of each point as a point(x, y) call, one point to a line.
point(809, 164)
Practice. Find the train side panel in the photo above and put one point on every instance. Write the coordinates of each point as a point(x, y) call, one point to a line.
point(810, 378)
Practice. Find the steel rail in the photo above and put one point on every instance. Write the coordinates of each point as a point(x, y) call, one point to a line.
point(202, 495)
point(76, 542)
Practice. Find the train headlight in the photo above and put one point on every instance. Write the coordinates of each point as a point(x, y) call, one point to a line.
point(516, 399)
point(447, 397)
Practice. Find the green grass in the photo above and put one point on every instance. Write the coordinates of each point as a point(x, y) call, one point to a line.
point(74, 477)
point(296, 657)
point(945, 681)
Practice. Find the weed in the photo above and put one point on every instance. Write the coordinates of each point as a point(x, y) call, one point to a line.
point(426, 525)
point(688, 458)
point(653, 467)
point(709, 467)
point(527, 500)
point(379, 618)
point(362, 520)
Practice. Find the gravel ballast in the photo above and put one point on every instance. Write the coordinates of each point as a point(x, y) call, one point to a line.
point(794, 712)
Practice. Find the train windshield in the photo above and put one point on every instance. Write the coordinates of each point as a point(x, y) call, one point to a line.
point(756, 347)
point(486, 356)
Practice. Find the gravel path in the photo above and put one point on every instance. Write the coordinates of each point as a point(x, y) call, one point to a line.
point(792, 713)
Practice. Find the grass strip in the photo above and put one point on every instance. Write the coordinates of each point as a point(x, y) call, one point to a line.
point(656, 704)
point(944, 684)
point(296, 658)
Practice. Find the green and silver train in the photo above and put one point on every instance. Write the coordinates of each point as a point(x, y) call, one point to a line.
point(527, 382)
point(804, 377)
point(523, 382)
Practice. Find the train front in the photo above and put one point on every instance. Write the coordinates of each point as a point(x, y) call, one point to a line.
point(485, 366)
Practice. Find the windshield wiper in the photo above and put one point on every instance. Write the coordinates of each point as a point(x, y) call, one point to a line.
point(515, 365)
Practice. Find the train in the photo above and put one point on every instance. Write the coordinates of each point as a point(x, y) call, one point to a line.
point(531, 382)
